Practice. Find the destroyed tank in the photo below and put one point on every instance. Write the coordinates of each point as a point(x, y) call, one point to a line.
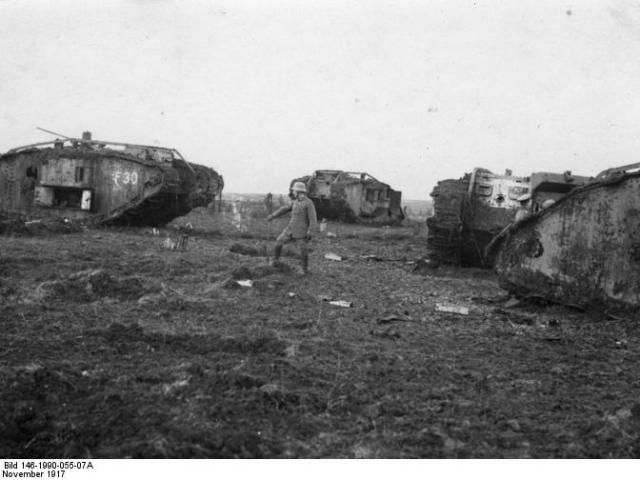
point(469, 212)
point(90, 181)
point(352, 197)
point(584, 250)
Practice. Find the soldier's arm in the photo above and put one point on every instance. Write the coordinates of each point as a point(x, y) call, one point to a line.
point(313, 218)
point(281, 211)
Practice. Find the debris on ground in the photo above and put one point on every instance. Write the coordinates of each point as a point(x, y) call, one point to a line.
point(324, 298)
point(230, 284)
point(393, 318)
point(513, 302)
point(441, 307)
point(333, 256)
point(341, 303)
point(178, 243)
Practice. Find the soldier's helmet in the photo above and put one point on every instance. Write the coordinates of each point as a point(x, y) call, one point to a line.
point(299, 187)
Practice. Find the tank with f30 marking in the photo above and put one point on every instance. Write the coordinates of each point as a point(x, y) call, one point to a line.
point(95, 181)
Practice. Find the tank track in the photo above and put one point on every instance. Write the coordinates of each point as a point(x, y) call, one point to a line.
point(182, 191)
point(444, 237)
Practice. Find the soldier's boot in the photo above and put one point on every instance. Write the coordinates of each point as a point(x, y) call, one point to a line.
point(277, 251)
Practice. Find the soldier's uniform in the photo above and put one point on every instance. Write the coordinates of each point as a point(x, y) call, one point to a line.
point(301, 227)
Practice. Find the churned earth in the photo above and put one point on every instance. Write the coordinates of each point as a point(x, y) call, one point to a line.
point(115, 345)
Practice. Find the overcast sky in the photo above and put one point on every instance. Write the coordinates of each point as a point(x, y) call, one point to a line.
point(263, 91)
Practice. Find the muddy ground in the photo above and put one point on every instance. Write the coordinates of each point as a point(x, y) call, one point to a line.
point(114, 345)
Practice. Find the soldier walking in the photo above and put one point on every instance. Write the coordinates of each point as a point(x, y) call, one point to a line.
point(301, 227)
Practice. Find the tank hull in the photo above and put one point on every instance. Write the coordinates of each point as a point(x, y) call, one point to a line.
point(468, 213)
point(90, 183)
point(582, 251)
point(353, 197)
point(471, 211)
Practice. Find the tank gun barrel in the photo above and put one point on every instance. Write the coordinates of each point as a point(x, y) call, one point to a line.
point(53, 133)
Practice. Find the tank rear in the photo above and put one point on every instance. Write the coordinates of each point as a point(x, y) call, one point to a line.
point(492, 204)
point(471, 211)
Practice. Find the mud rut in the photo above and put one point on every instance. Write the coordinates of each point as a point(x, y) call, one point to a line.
point(116, 347)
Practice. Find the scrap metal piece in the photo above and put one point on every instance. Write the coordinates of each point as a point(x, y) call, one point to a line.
point(441, 307)
point(353, 197)
point(341, 303)
point(583, 250)
point(95, 181)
